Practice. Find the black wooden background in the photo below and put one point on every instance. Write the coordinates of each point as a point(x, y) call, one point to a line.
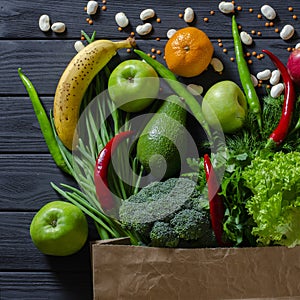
point(26, 168)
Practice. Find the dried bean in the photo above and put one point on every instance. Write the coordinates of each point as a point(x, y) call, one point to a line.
point(147, 14)
point(264, 75)
point(275, 77)
point(188, 15)
point(144, 29)
point(268, 12)
point(217, 64)
point(246, 38)
point(277, 90)
point(92, 7)
point(121, 19)
point(44, 23)
point(226, 7)
point(287, 32)
point(170, 33)
point(78, 45)
point(195, 89)
point(58, 27)
point(254, 80)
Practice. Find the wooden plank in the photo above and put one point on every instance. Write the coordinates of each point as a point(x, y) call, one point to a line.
point(44, 61)
point(46, 285)
point(20, 18)
point(20, 130)
point(18, 253)
point(25, 181)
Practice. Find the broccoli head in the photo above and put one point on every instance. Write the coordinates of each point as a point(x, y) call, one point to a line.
point(163, 235)
point(166, 213)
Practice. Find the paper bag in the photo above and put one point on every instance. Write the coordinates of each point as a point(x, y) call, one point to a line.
point(124, 272)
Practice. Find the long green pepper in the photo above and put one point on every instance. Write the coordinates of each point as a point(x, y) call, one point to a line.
point(44, 122)
point(178, 88)
point(244, 73)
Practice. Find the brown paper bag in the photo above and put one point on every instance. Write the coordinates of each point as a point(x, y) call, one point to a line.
point(122, 272)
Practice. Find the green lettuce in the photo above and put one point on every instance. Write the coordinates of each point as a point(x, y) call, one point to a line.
point(275, 204)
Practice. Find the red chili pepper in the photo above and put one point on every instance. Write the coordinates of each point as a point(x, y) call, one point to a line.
point(104, 195)
point(282, 129)
point(216, 205)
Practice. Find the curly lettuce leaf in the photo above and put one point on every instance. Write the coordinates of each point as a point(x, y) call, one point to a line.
point(275, 204)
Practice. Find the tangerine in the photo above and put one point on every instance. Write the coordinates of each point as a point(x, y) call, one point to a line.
point(188, 52)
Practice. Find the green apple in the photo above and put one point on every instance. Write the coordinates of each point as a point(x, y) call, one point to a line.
point(59, 228)
point(133, 85)
point(225, 105)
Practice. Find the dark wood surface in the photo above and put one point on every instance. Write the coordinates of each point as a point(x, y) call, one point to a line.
point(26, 167)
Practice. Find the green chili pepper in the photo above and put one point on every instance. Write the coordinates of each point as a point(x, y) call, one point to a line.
point(244, 73)
point(44, 122)
point(178, 88)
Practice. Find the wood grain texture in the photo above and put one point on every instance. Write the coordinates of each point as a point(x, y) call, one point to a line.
point(45, 285)
point(20, 130)
point(19, 19)
point(25, 181)
point(26, 167)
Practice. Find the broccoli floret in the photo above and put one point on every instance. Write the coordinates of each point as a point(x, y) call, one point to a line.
point(175, 203)
point(163, 235)
point(187, 223)
point(194, 225)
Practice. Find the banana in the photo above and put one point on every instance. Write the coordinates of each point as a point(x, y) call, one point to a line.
point(75, 80)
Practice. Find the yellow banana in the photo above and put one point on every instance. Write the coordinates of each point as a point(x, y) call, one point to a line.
point(76, 79)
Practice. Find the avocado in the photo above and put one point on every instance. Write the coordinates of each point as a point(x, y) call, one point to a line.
point(163, 140)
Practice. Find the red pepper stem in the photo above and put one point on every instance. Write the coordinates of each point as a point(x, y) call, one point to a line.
point(216, 205)
point(105, 197)
point(282, 129)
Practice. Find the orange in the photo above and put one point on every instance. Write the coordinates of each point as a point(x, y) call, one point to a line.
point(188, 52)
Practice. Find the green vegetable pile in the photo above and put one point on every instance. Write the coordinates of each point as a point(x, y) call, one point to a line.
point(259, 188)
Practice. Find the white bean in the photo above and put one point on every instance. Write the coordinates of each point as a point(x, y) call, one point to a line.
point(246, 38)
point(195, 89)
point(226, 7)
point(121, 19)
point(264, 75)
point(188, 15)
point(277, 90)
point(275, 77)
point(287, 32)
point(144, 29)
point(92, 7)
point(171, 32)
point(58, 27)
point(44, 23)
point(268, 12)
point(217, 65)
point(147, 14)
point(78, 45)
point(254, 80)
